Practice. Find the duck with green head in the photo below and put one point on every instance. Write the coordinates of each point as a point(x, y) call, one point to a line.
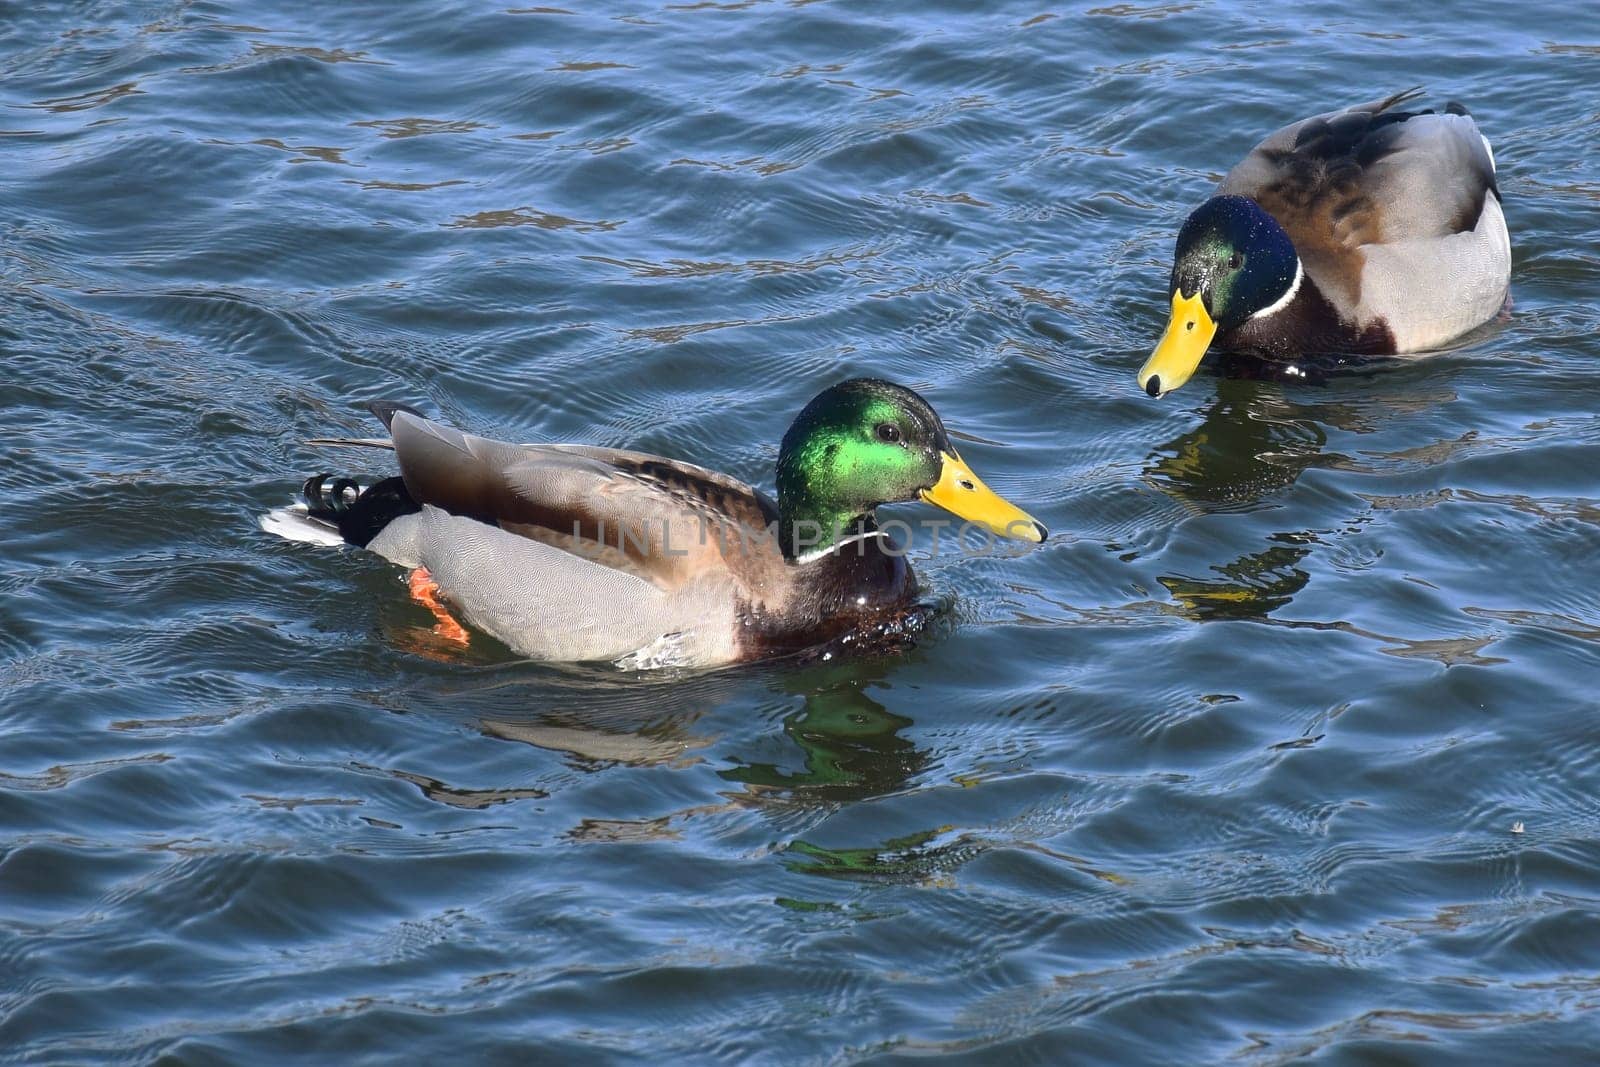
point(1368, 231)
point(573, 552)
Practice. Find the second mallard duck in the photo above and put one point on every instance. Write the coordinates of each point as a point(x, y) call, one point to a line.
point(571, 552)
point(1371, 230)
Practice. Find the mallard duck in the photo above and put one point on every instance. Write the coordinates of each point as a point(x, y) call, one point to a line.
point(1369, 231)
point(572, 552)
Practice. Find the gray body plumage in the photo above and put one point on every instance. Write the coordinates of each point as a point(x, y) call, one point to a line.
point(549, 603)
point(571, 552)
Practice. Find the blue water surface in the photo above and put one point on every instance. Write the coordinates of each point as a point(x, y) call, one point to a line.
point(1283, 747)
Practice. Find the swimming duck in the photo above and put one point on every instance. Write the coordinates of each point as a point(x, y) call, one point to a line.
point(1371, 231)
point(572, 552)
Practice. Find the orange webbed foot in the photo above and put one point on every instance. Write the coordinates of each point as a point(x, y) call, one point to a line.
point(425, 591)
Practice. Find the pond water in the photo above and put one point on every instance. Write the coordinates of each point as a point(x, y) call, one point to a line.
point(1229, 769)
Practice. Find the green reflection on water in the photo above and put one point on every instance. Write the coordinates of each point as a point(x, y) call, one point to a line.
point(1250, 444)
point(850, 744)
point(903, 858)
point(1251, 586)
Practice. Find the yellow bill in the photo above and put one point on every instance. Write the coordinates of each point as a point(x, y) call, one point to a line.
point(963, 494)
point(1189, 334)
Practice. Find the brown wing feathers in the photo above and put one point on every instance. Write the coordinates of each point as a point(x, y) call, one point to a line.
point(1343, 180)
point(663, 521)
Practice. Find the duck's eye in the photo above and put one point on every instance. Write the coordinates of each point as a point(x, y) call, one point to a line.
point(1235, 261)
point(888, 433)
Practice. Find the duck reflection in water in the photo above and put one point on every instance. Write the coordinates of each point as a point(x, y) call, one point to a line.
point(1255, 439)
point(1250, 587)
point(850, 744)
point(850, 747)
point(610, 720)
point(1253, 444)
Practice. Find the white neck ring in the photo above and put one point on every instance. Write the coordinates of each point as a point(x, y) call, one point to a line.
point(1283, 301)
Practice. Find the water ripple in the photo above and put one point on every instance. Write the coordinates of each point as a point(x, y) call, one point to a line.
point(1278, 749)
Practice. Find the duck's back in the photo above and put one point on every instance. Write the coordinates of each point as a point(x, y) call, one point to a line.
point(1395, 215)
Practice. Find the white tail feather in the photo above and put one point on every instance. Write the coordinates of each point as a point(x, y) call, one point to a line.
point(293, 523)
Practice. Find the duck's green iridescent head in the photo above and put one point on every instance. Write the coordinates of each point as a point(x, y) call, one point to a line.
point(1233, 261)
point(866, 442)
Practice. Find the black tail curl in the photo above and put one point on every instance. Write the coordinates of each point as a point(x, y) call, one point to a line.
point(359, 515)
point(328, 502)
